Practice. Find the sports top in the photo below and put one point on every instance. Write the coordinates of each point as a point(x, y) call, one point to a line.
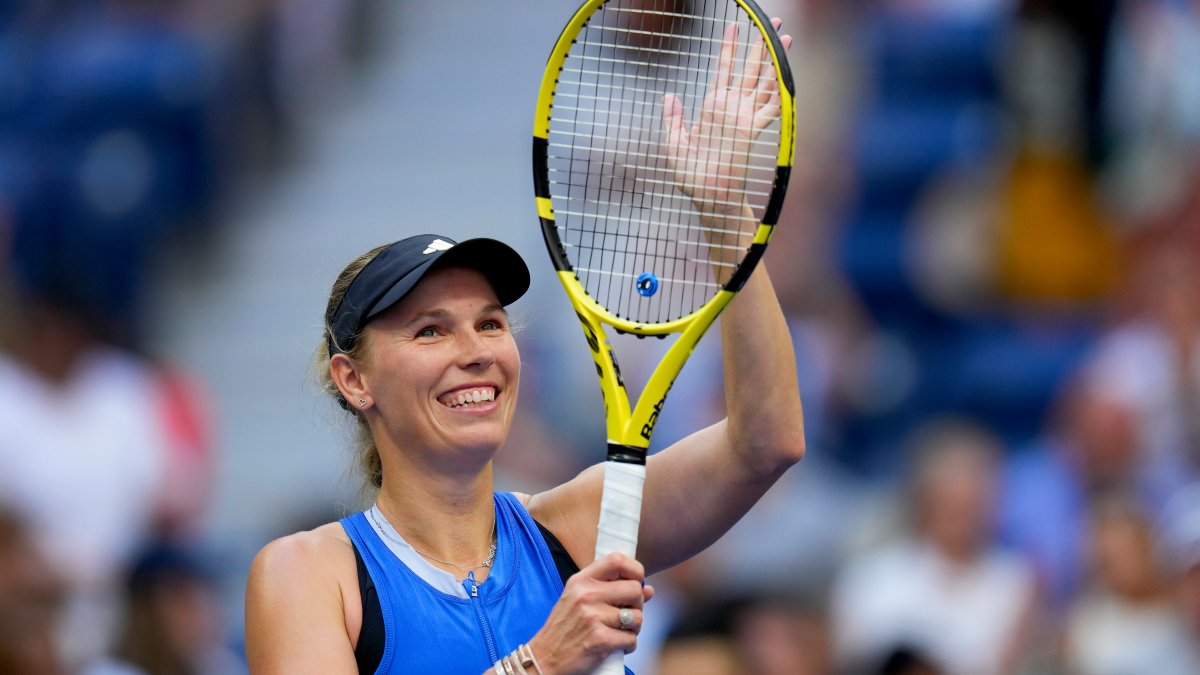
point(434, 627)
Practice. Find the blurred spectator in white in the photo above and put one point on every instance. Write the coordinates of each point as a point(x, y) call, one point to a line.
point(88, 440)
point(1126, 622)
point(99, 446)
point(941, 590)
point(30, 598)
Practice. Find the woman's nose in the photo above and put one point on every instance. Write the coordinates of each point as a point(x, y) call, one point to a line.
point(475, 350)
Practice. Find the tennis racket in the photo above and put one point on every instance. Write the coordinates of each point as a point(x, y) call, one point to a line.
point(662, 147)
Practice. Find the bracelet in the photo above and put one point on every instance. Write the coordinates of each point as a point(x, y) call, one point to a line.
point(526, 658)
point(508, 669)
point(498, 668)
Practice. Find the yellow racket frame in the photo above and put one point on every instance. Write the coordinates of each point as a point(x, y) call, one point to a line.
point(626, 427)
point(632, 429)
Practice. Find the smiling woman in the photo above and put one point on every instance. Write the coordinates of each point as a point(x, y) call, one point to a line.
point(430, 359)
point(444, 575)
point(387, 273)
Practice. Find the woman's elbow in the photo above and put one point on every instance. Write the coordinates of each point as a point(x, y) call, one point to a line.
point(790, 450)
point(770, 457)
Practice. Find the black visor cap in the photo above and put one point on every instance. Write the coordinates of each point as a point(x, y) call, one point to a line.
point(397, 269)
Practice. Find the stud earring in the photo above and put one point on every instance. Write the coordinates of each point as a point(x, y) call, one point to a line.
point(362, 402)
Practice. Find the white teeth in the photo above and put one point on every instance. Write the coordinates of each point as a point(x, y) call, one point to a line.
point(472, 397)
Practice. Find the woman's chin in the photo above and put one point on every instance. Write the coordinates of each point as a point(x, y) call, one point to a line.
point(481, 442)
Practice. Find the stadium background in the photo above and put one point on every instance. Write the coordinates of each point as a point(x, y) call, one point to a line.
point(990, 243)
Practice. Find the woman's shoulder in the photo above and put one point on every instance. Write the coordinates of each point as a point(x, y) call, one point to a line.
point(302, 601)
point(323, 554)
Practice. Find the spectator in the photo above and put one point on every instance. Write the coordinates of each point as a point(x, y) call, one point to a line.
point(1090, 448)
point(780, 635)
point(942, 590)
point(172, 622)
point(1151, 111)
point(1151, 361)
point(701, 643)
point(1126, 622)
point(98, 449)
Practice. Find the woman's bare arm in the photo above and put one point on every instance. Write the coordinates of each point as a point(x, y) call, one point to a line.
point(297, 612)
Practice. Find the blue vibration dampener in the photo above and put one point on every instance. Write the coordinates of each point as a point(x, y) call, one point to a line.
point(647, 284)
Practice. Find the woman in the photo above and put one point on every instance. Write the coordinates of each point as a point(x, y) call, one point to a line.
point(442, 574)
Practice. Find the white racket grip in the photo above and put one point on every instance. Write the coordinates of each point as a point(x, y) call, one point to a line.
point(620, 509)
point(620, 513)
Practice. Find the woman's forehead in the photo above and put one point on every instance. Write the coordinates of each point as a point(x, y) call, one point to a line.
point(448, 287)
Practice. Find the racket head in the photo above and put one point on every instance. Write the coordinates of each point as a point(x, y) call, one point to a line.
point(626, 240)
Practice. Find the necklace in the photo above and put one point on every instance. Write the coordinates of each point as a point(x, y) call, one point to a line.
point(375, 514)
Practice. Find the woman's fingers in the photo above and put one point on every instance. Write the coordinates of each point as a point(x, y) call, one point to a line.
point(599, 611)
point(675, 126)
point(723, 78)
point(616, 566)
point(752, 69)
point(708, 153)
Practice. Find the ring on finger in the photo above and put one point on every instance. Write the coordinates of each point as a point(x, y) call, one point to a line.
point(626, 617)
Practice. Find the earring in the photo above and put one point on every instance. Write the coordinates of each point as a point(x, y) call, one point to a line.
point(362, 402)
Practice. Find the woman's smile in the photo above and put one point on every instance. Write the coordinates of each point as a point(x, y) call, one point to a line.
point(474, 398)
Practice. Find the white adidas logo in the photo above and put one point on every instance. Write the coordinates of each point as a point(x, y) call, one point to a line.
point(437, 245)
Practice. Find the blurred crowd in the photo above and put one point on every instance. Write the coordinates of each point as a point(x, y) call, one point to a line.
point(989, 254)
point(126, 129)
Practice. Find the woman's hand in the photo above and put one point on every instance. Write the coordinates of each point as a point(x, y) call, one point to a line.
point(585, 625)
point(710, 158)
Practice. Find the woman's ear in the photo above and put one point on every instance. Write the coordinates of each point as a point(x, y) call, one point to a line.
point(346, 374)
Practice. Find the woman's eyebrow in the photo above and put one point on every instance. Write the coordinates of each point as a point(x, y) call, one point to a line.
point(427, 315)
point(442, 314)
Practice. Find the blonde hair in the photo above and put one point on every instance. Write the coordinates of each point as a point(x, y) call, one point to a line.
point(367, 452)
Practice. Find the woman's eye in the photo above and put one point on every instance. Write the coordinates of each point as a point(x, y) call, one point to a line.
point(490, 324)
point(427, 332)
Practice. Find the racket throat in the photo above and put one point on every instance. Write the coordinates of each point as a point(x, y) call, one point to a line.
point(626, 454)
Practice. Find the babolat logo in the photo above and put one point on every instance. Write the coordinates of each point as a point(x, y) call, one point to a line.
point(612, 358)
point(648, 427)
point(590, 333)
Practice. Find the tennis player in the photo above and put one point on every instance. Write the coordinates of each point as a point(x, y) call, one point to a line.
point(444, 575)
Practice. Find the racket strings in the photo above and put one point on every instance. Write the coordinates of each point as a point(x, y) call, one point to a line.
point(632, 236)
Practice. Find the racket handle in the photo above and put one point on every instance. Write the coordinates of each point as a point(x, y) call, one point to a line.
point(620, 513)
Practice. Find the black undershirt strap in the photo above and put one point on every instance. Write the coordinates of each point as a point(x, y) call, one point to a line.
point(562, 560)
point(369, 650)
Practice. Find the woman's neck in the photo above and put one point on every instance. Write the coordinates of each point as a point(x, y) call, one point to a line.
point(447, 519)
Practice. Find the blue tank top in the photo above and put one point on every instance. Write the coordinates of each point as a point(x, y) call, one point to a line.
point(427, 630)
